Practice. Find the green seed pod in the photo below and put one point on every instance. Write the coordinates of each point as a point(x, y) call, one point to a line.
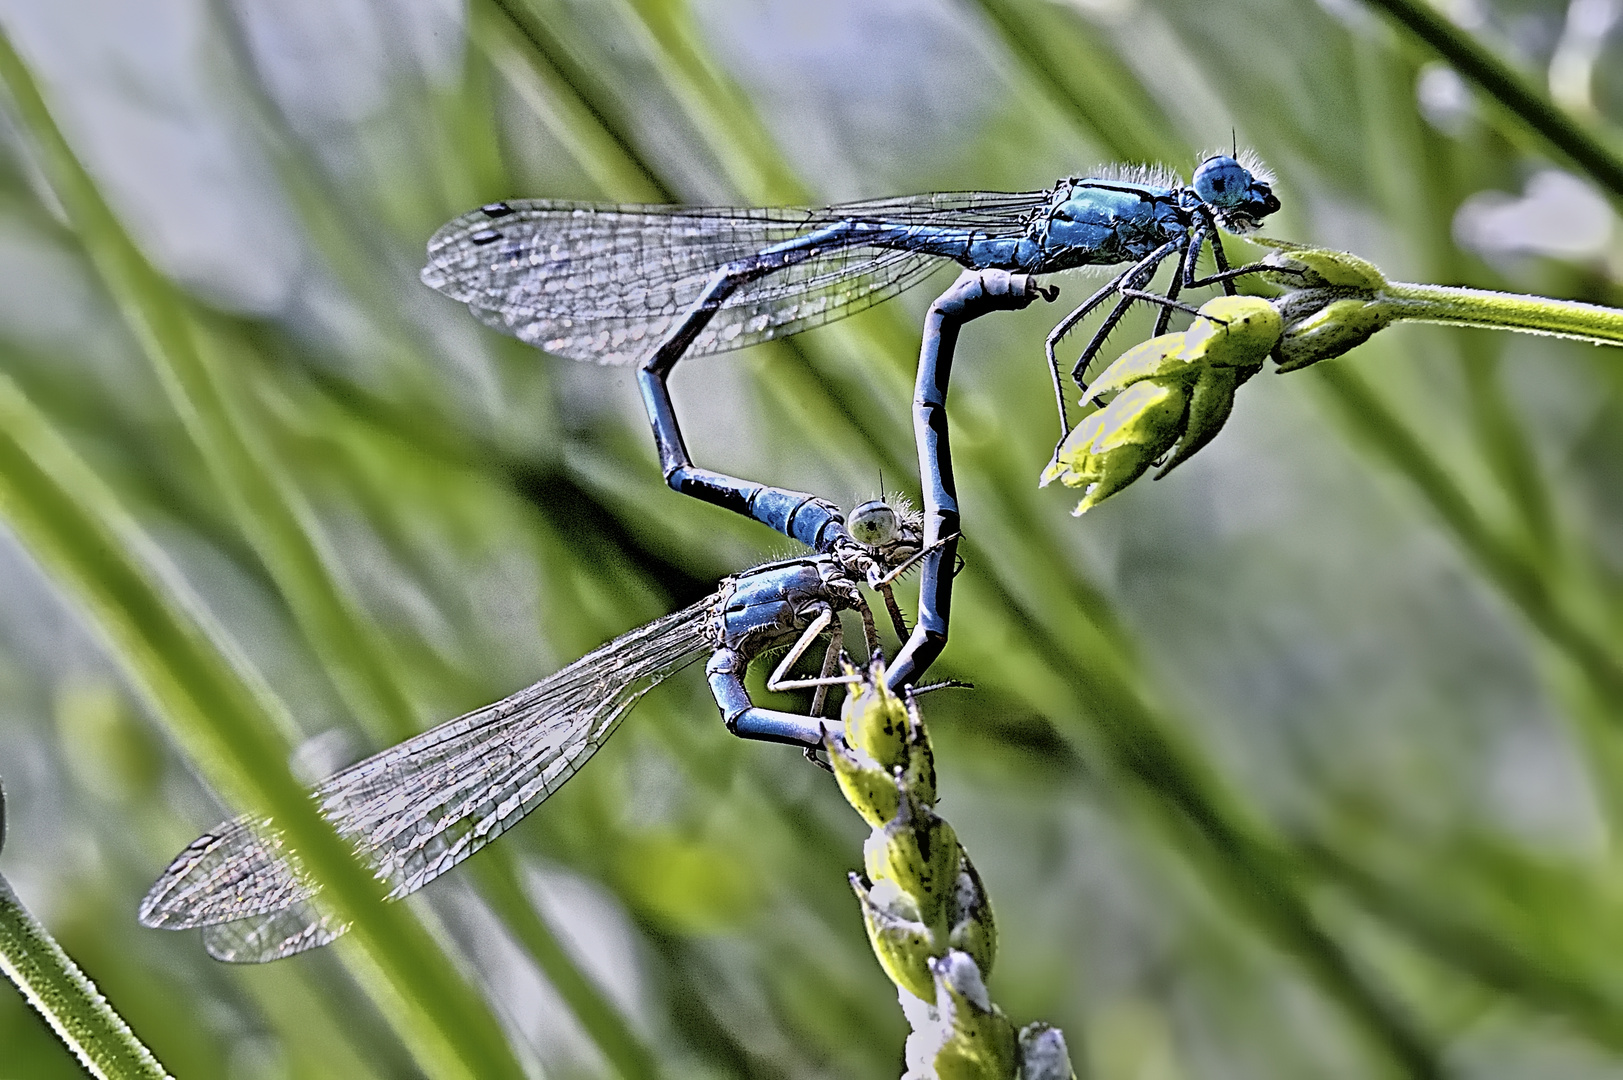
point(903, 944)
point(919, 852)
point(869, 787)
point(1325, 325)
point(876, 723)
point(1233, 332)
point(980, 1043)
point(1321, 268)
point(918, 776)
point(1173, 391)
point(973, 930)
point(1211, 400)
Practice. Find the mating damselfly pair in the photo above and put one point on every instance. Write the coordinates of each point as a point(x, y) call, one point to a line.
point(649, 285)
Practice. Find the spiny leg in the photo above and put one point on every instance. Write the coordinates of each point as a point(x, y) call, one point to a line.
point(1207, 232)
point(1126, 279)
point(897, 620)
point(1127, 286)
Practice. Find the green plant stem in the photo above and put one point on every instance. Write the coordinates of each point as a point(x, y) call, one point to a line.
point(68, 1000)
point(1500, 81)
point(1505, 311)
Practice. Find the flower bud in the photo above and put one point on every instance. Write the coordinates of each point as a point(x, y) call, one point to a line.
point(903, 944)
point(1322, 268)
point(1325, 323)
point(1176, 390)
point(979, 1043)
point(1111, 448)
point(973, 930)
point(917, 850)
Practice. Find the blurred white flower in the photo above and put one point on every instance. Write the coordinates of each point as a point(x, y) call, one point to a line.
point(1558, 215)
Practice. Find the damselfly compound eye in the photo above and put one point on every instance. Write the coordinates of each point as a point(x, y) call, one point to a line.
point(873, 523)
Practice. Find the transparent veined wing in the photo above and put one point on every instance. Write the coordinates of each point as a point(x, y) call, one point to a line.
point(422, 806)
point(604, 283)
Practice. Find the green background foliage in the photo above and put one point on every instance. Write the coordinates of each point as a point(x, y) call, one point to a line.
point(1305, 762)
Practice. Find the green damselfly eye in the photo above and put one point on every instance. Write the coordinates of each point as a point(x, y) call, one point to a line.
point(873, 523)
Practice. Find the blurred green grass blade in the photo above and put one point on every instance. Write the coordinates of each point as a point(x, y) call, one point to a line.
point(169, 648)
point(172, 651)
point(197, 377)
point(496, 870)
point(81, 1017)
point(1515, 574)
point(1086, 79)
point(1472, 60)
point(1520, 972)
point(624, 1048)
point(1422, 188)
point(579, 111)
point(198, 370)
point(722, 112)
point(1236, 854)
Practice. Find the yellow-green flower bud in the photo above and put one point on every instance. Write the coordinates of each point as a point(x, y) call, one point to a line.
point(903, 944)
point(869, 787)
point(1303, 267)
point(973, 930)
point(1116, 445)
point(1176, 390)
point(919, 852)
point(1325, 324)
point(980, 1043)
point(876, 723)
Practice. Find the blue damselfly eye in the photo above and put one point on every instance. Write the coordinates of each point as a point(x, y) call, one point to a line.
point(1239, 198)
point(873, 523)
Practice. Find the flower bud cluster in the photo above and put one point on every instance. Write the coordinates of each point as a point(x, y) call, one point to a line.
point(1164, 399)
point(1171, 395)
point(924, 906)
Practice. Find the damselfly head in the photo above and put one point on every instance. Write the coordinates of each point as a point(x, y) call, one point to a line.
point(873, 523)
point(1238, 197)
point(889, 528)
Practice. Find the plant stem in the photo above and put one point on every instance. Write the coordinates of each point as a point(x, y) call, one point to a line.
point(1505, 311)
point(65, 996)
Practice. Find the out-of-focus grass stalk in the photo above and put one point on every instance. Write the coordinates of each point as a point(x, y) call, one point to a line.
point(1375, 425)
point(1476, 63)
point(1086, 79)
point(171, 649)
point(497, 872)
point(223, 717)
point(198, 380)
point(1519, 969)
point(64, 995)
point(518, 47)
